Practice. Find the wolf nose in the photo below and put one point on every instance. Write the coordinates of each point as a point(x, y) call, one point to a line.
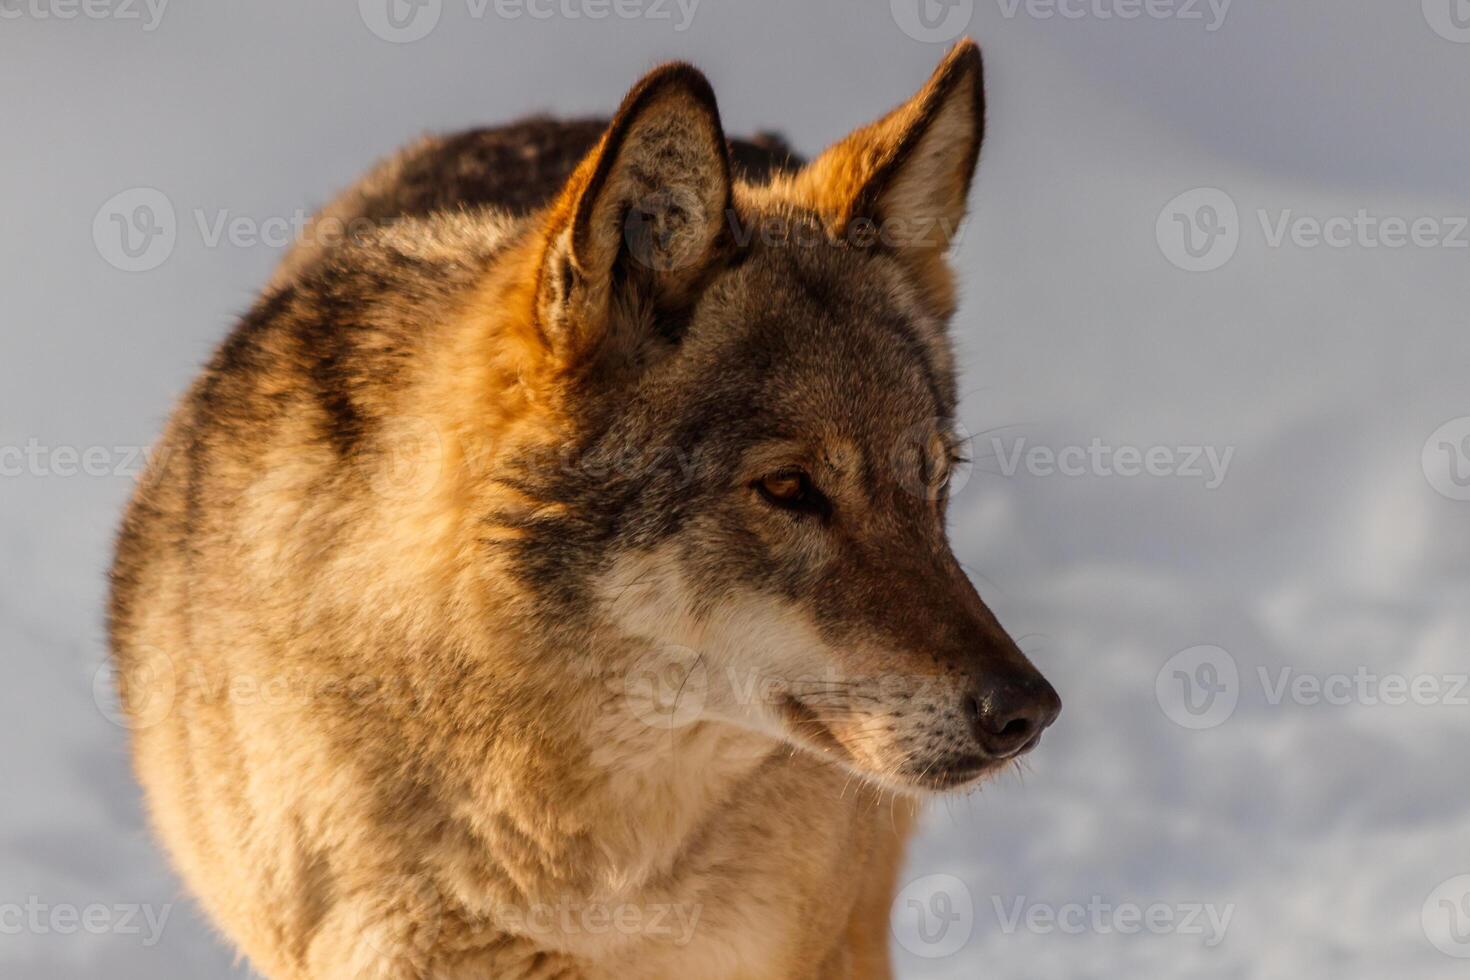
point(1007, 714)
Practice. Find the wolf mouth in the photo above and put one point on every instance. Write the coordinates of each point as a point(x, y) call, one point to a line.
point(949, 773)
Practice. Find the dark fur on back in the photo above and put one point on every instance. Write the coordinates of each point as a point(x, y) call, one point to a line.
point(519, 166)
point(515, 168)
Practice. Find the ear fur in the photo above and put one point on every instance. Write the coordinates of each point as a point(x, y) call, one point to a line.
point(640, 221)
point(909, 173)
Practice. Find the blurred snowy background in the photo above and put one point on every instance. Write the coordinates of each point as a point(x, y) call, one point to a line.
point(1230, 231)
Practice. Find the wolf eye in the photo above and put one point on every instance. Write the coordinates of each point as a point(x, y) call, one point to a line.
point(792, 490)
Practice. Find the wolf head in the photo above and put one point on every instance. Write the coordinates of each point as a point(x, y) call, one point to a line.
point(759, 394)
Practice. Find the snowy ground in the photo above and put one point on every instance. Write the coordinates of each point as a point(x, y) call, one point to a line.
point(1287, 798)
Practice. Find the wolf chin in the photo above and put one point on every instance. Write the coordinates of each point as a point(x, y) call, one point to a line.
point(548, 576)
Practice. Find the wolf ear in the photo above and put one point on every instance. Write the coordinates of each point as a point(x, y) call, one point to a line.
point(639, 222)
point(909, 173)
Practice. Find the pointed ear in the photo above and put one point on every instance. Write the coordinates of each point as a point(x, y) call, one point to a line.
point(909, 173)
point(641, 220)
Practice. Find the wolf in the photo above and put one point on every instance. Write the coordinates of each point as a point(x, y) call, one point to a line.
point(548, 576)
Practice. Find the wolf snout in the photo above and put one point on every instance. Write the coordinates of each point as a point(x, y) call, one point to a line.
point(1008, 712)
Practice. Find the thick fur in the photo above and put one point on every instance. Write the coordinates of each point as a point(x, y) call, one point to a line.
point(392, 607)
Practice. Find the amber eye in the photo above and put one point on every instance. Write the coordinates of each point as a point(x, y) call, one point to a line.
point(792, 490)
point(782, 487)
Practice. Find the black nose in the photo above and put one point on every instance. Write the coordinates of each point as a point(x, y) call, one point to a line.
point(1008, 713)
